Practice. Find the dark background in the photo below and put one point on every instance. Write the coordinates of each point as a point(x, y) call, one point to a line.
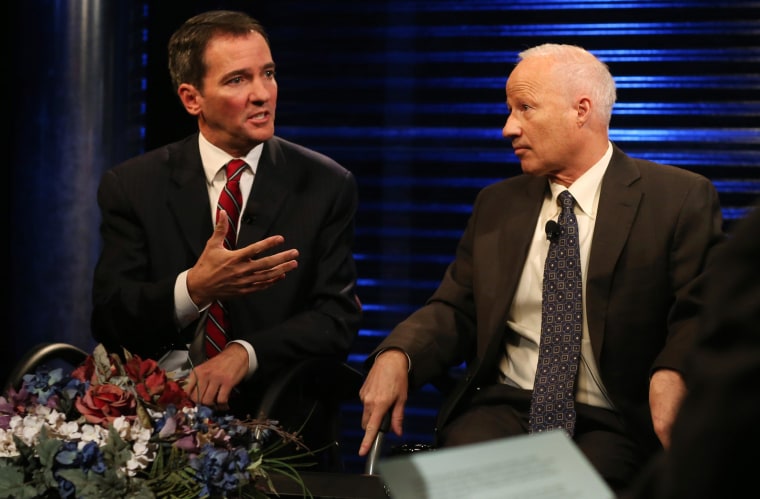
point(407, 95)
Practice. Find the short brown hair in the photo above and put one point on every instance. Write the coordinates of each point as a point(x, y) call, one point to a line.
point(187, 45)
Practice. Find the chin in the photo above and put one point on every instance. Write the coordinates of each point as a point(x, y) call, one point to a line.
point(262, 135)
point(529, 169)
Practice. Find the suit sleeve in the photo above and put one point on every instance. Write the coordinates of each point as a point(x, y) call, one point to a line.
point(698, 231)
point(130, 309)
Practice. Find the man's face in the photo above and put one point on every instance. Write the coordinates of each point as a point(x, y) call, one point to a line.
point(541, 118)
point(236, 108)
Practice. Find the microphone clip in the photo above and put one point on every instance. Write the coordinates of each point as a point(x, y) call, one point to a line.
point(553, 230)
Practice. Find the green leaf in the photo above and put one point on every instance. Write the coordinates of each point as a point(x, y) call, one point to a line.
point(47, 448)
point(12, 481)
point(116, 451)
point(41, 461)
point(102, 363)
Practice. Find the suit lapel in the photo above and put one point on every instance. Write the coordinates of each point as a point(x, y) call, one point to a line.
point(270, 190)
point(515, 236)
point(618, 204)
point(189, 185)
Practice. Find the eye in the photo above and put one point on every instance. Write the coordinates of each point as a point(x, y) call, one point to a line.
point(269, 73)
point(236, 80)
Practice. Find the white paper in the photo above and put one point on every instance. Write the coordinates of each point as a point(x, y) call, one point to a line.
point(545, 465)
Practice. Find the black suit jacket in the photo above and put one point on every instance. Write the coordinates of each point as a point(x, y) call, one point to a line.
point(654, 228)
point(156, 220)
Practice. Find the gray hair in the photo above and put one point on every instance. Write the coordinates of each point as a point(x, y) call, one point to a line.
point(582, 71)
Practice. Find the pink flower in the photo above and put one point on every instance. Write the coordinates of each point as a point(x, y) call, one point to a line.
point(102, 404)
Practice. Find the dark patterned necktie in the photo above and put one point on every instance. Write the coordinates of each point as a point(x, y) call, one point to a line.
point(552, 404)
point(230, 200)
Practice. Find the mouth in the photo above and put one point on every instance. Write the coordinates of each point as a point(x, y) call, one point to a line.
point(260, 116)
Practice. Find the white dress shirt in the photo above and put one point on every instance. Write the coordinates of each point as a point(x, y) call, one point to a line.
point(518, 365)
point(214, 161)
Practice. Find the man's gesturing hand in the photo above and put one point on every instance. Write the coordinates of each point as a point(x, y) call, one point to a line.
point(221, 273)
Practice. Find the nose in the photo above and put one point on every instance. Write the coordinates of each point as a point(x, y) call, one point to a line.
point(511, 128)
point(259, 91)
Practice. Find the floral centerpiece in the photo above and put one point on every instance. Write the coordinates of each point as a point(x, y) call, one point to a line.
point(125, 429)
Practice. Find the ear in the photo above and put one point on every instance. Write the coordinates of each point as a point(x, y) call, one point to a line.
point(584, 110)
point(190, 97)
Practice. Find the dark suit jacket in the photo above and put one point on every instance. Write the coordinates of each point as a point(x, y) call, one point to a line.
point(156, 220)
point(716, 431)
point(654, 228)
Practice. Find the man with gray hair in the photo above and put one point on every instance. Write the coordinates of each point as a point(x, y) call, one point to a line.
point(639, 234)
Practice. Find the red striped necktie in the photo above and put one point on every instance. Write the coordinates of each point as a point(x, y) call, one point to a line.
point(231, 201)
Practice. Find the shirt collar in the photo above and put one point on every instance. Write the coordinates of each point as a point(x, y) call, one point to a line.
point(587, 187)
point(214, 159)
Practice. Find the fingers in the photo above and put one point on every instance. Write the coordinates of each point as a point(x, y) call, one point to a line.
point(270, 275)
point(282, 261)
point(376, 422)
point(212, 382)
point(189, 385)
point(385, 389)
point(259, 247)
point(223, 397)
point(209, 393)
point(220, 228)
point(262, 273)
point(397, 419)
point(371, 429)
point(267, 269)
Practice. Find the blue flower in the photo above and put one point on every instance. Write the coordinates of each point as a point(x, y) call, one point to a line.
point(43, 383)
point(92, 459)
point(89, 458)
point(221, 470)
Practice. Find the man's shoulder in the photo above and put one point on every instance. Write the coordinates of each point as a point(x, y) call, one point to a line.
point(654, 169)
point(181, 151)
point(294, 154)
point(517, 183)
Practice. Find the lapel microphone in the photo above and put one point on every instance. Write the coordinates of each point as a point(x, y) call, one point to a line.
point(552, 230)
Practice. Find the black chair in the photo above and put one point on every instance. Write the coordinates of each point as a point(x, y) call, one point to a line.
point(311, 395)
point(51, 354)
point(444, 385)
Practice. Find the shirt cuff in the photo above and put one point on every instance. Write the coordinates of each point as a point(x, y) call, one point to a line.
point(253, 362)
point(185, 311)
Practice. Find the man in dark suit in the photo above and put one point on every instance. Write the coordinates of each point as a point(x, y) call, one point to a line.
point(164, 262)
point(644, 231)
point(716, 431)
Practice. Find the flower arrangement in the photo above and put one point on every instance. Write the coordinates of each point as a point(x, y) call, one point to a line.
point(125, 429)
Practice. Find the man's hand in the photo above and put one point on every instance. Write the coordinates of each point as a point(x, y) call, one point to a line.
point(667, 390)
point(386, 386)
point(220, 273)
point(211, 383)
